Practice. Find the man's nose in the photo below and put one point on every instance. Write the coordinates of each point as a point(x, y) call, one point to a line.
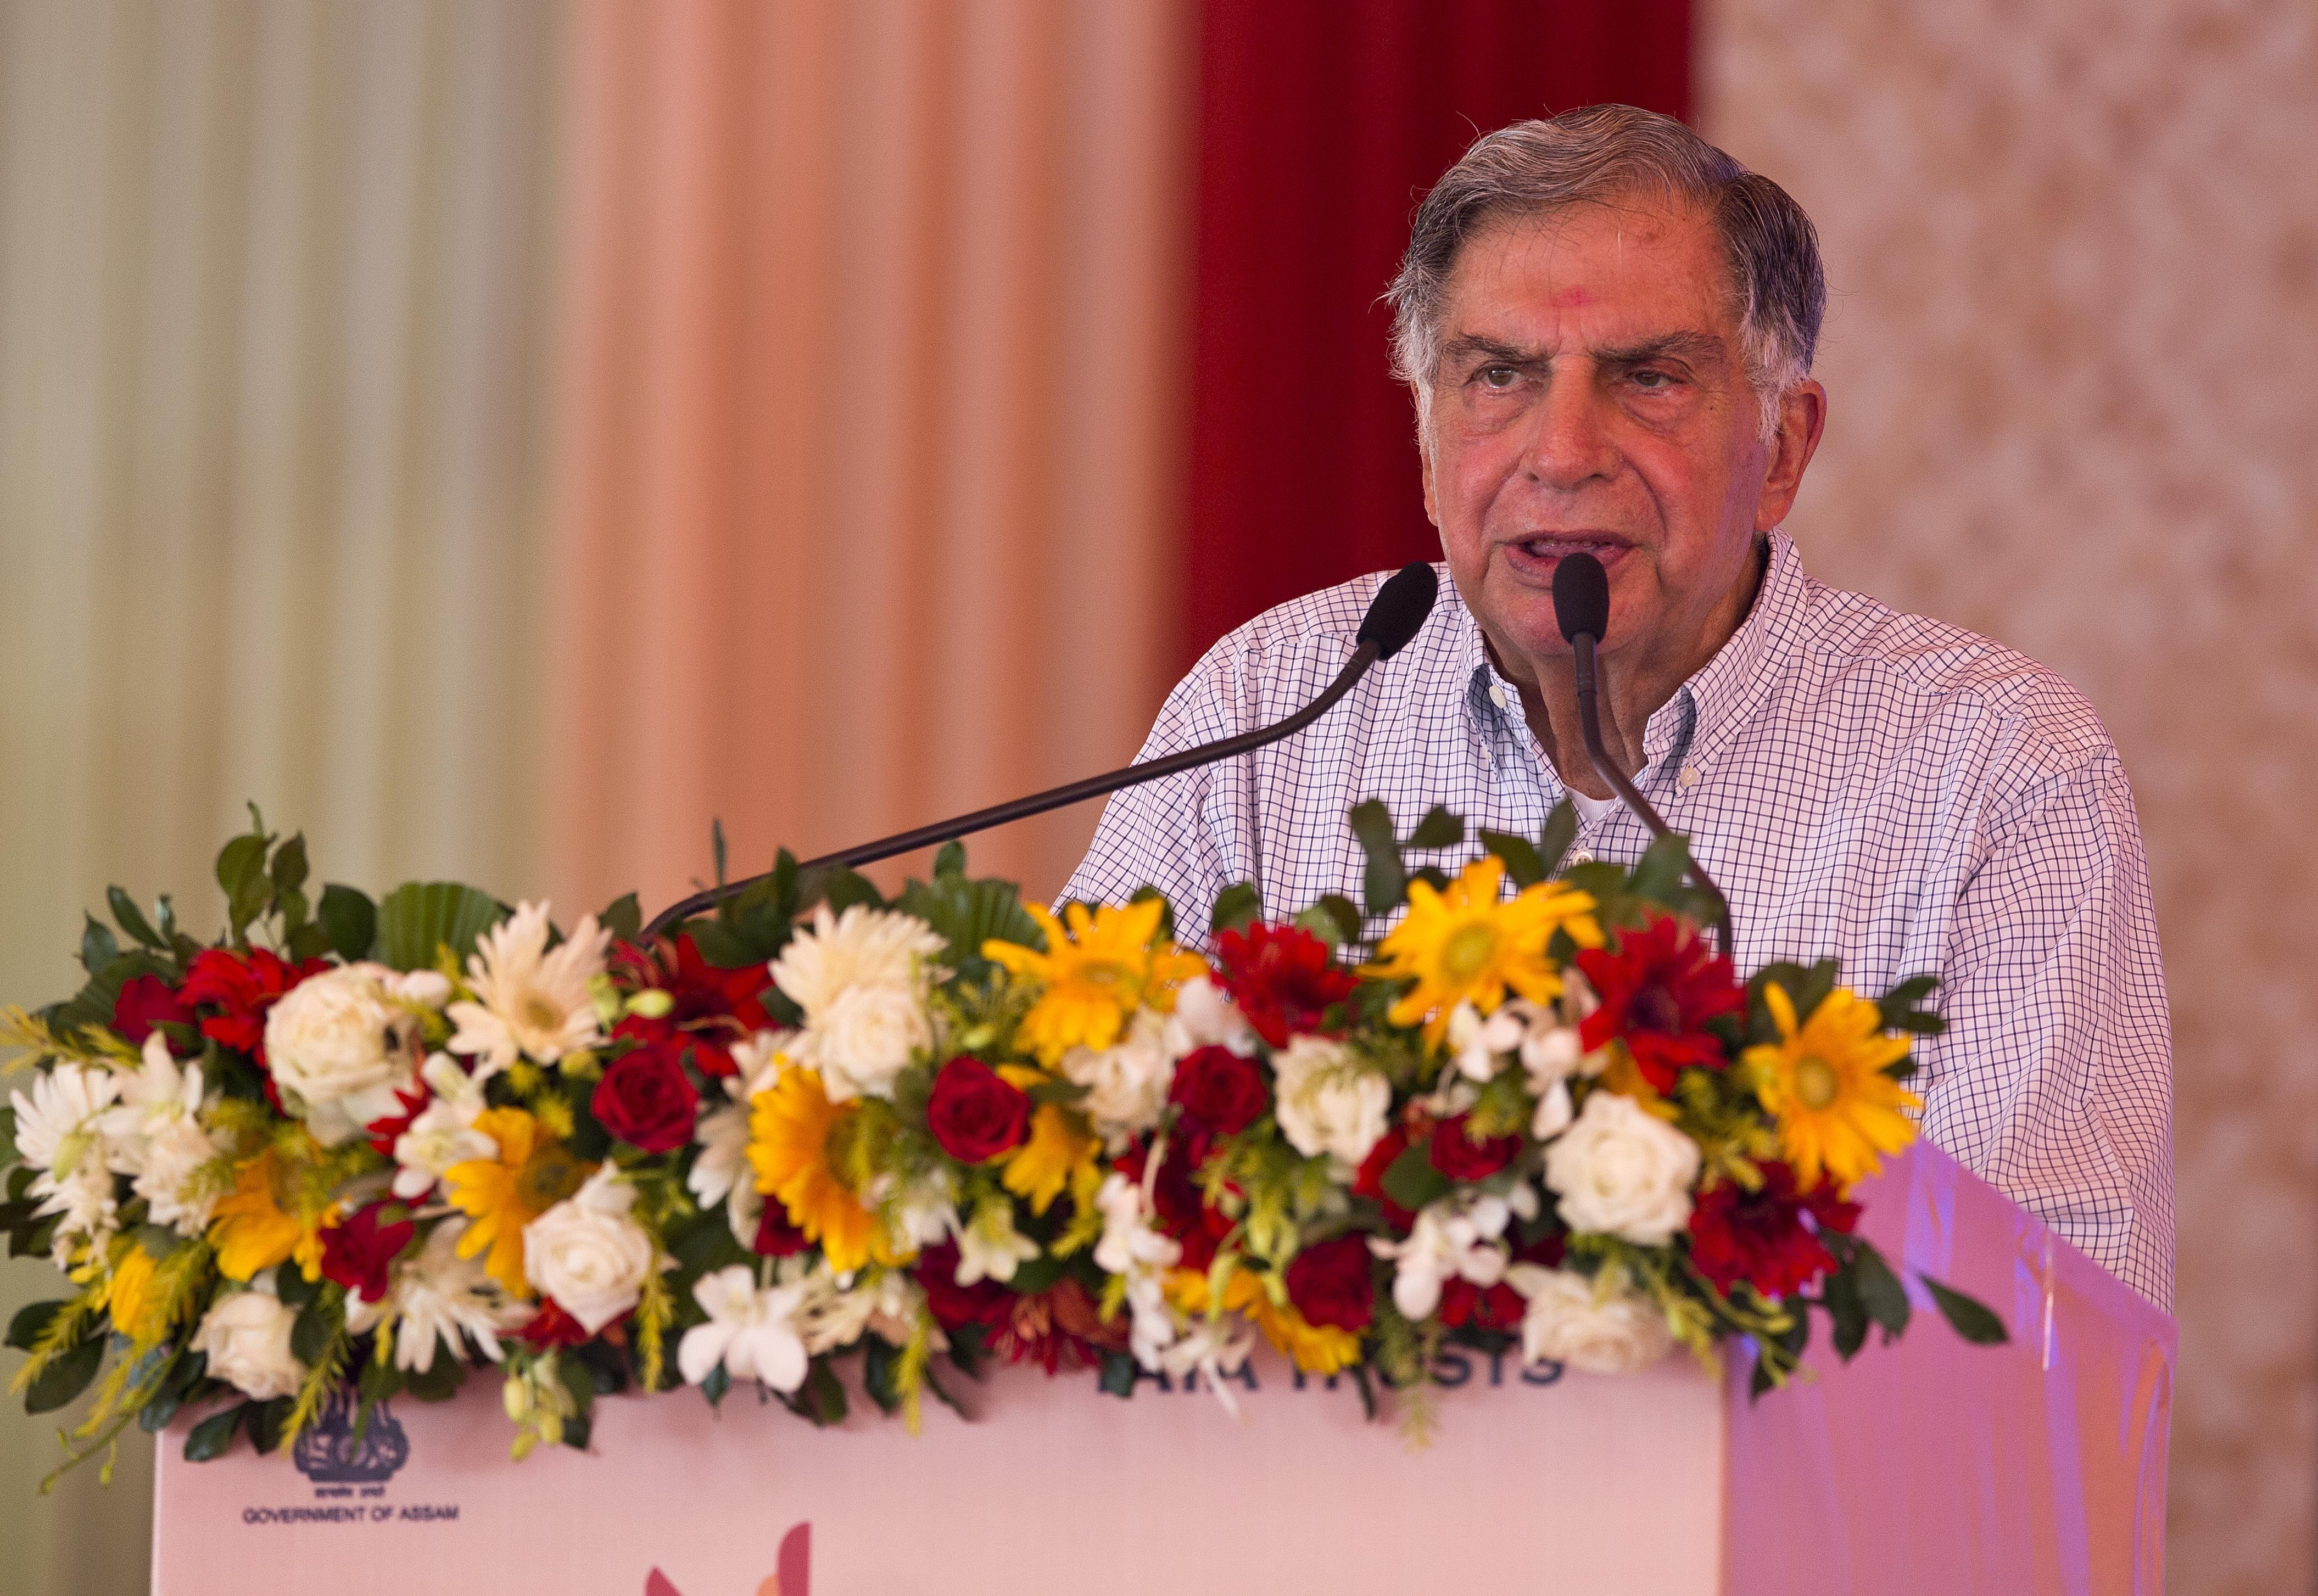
point(1572, 444)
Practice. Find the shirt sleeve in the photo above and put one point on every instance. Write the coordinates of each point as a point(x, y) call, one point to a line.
point(1192, 834)
point(2053, 1080)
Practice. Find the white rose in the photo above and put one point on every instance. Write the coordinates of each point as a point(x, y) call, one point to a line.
point(246, 1336)
point(1126, 1084)
point(1205, 1017)
point(1622, 1171)
point(587, 1254)
point(866, 1036)
point(1569, 1321)
point(342, 1047)
point(1329, 1101)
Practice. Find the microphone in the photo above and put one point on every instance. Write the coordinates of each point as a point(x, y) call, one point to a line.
point(1394, 615)
point(1581, 604)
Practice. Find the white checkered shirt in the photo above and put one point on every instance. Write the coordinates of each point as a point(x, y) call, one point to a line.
point(1897, 792)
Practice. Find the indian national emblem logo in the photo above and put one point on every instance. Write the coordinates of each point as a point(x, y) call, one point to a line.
point(329, 1453)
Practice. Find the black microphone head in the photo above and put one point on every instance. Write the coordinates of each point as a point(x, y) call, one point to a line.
point(1581, 596)
point(1399, 608)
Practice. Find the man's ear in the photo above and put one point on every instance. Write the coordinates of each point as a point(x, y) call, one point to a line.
point(1803, 419)
point(1424, 451)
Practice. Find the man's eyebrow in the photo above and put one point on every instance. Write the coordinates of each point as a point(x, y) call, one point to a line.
point(1693, 348)
point(1469, 345)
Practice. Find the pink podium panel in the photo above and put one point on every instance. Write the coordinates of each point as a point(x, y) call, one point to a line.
point(1926, 1466)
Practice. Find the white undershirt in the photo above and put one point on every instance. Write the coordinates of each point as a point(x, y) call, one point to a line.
point(1590, 811)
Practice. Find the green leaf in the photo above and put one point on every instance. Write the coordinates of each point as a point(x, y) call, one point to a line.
point(717, 846)
point(290, 864)
point(98, 947)
point(311, 1331)
point(1333, 919)
point(718, 1382)
point(1658, 874)
point(824, 1396)
point(721, 946)
point(623, 917)
point(1880, 1291)
point(415, 920)
point(1971, 1318)
point(214, 1436)
point(241, 862)
point(66, 1377)
point(1412, 1182)
point(1523, 867)
point(266, 1422)
point(439, 1381)
point(965, 914)
point(350, 919)
point(1384, 882)
point(24, 1330)
point(950, 860)
point(1236, 906)
point(154, 1417)
point(1560, 830)
point(131, 919)
point(880, 1371)
point(1118, 1374)
point(1843, 1306)
point(1902, 1008)
point(379, 1382)
point(1440, 827)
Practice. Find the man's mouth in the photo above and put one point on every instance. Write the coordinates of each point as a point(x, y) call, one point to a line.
point(1539, 552)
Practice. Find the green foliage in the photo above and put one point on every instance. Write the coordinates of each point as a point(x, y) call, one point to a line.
point(1333, 919)
point(623, 917)
point(1412, 1182)
point(1385, 881)
point(1554, 838)
point(416, 920)
point(1236, 906)
point(1524, 865)
point(349, 919)
point(966, 913)
point(1970, 1319)
point(63, 1377)
point(214, 1436)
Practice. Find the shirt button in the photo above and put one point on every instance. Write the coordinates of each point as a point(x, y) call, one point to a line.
point(1497, 695)
point(1583, 855)
point(1688, 778)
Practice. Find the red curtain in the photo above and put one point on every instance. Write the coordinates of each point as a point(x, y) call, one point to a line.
point(1321, 124)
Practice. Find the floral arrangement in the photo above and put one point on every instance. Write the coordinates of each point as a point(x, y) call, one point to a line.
point(357, 1149)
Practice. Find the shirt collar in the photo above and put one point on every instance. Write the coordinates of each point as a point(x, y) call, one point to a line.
point(1715, 700)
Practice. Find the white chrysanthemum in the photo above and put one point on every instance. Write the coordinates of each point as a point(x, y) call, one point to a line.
point(529, 1003)
point(1576, 1320)
point(1454, 1239)
point(752, 1333)
point(1329, 1102)
point(758, 1064)
point(1126, 1084)
point(182, 1178)
point(440, 1300)
point(156, 1137)
point(587, 1254)
point(442, 1134)
point(57, 1127)
point(836, 1310)
point(341, 1050)
point(862, 978)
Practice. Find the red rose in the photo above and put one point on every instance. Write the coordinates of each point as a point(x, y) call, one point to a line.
point(359, 1253)
point(1494, 1307)
point(552, 1327)
point(146, 1001)
point(1657, 992)
point(1457, 1154)
point(1219, 1091)
point(1282, 978)
point(241, 989)
point(645, 1100)
point(778, 1235)
point(1370, 1181)
point(1330, 1283)
point(1761, 1237)
point(974, 1114)
point(1183, 1213)
point(955, 1306)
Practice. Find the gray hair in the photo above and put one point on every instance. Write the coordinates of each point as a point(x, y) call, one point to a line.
point(1596, 156)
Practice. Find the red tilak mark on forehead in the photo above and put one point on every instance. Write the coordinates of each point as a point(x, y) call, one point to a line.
point(1571, 299)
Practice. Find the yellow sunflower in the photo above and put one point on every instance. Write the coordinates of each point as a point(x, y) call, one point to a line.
point(265, 1219)
point(796, 1139)
point(1059, 1152)
point(1464, 945)
point(1316, 1349)
point(1097, 972)
point(1824, 1081)
point(532, 1172)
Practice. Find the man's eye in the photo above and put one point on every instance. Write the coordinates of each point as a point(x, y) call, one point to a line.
point(1499, 378)
point(1653, 382)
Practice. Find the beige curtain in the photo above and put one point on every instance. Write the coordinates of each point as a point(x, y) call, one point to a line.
point(274, 330)
point(869, 448)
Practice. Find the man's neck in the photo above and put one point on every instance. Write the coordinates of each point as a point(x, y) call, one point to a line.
point(1632, 686)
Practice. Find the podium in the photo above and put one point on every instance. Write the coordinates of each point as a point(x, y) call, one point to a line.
point(1928, 1466)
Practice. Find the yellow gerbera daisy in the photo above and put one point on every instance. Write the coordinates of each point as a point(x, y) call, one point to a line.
point(129, 1298)
point(532, 1172)
point(796, 1145)
point(1316, 1349)
point(266, 1220)
point(1097, 970)
point(1060, 1151)
point(1824, 1082)
point(1464, 945)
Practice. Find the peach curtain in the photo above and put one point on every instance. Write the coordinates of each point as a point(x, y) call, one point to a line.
point(870, 428)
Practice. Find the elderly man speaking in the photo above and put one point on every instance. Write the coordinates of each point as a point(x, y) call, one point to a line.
point(1607, 324)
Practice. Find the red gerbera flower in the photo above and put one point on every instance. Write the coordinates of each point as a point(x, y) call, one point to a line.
point(239, 988)
point(1058, 1329)
point(146, 1001)
point(1762, 1237)
point(1283, 979)
point(711, 1009)
point(552, 1327)
point(1489, 1307)
point(1657, 992)
point(360, 1254)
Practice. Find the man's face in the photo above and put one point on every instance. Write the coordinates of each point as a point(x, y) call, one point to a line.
point(1591, 396)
